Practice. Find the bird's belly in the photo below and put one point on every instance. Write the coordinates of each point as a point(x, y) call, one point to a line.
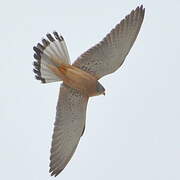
point(80, 80)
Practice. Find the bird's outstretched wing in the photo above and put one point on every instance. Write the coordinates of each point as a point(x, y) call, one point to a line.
point(108, 55)
point(68, 127)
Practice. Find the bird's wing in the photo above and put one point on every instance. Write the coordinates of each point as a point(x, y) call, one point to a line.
point(68, 127)
point(109, 54)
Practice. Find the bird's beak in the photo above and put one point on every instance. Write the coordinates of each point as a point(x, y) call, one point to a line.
point(104, 93)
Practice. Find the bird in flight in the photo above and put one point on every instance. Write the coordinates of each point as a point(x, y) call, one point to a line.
point(80, 80)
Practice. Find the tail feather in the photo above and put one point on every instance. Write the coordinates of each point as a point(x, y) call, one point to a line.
point(52, 52)
point(62, 46)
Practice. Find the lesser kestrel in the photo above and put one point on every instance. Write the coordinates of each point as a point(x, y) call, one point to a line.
point(80, 80)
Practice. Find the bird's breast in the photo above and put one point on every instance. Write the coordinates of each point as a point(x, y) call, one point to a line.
point(78, 79)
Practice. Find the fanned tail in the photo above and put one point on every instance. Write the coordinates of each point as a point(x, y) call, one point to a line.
point(51, 53)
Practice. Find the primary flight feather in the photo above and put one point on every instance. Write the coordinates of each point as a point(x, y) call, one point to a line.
point(80, 80)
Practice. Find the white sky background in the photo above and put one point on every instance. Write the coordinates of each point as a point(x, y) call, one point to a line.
point(133, 132)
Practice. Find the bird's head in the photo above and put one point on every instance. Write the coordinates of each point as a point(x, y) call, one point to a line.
point(100, 89)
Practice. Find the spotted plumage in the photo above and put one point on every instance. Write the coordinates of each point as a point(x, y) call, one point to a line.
point(80, 80)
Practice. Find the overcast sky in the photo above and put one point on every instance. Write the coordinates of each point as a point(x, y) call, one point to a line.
point(133, 133)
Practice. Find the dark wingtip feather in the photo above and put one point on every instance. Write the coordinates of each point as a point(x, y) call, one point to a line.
point(37, 50)
point(45, 42)
point(56, 172)
point(56, 35)
point(40, 78)
point(38, 75)
point(37, 56)
point(43, 80)
point(40, 46)
point(142, 7)
point(37, 64)
point(37, 72)
point(142, 10)
point(138, 12)
point(49, 36)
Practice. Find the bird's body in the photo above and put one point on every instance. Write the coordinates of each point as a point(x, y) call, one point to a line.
point(80, 80)
point(76, 78)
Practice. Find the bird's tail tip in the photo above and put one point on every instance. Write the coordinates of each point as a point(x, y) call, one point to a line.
point(51, 52)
